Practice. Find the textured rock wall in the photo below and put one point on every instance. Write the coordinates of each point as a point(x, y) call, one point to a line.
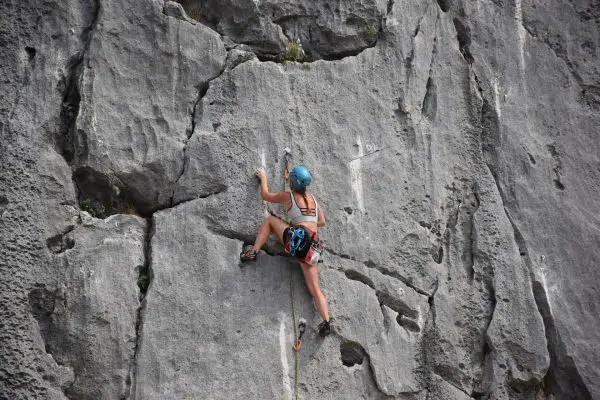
point(455, 150)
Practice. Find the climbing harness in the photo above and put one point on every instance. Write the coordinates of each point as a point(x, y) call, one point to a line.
point(302, 245)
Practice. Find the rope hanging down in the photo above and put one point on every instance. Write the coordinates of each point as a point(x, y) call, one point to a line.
point(299, 327)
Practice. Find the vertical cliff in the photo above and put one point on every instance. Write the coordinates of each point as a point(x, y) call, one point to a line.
point(454, 148)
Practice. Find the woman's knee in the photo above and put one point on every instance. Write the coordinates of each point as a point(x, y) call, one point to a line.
point(274, 221)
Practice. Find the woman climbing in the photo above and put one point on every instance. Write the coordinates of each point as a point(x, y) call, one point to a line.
point(300, 237)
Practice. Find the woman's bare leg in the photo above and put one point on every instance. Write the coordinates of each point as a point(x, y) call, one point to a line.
point(270, 224)
point(311, 276)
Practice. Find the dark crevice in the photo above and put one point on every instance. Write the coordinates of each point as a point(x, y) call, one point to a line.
point(463, 35)
point(370, 35)
point(357, 276)
point(394, 274)
point(406, 315)
point(195, 114)
point(62, 242)
point(397, 305)
point(189, 132)
point(219, 190)
point(280, 58)
point(144, 282)
point(557, 168)
point(102, 195)
point(271, 49)
point(407, 323)
point(3, 204)
point(563, 378)
point(437, 254)
point(557, 183)
point(352, 353)
point(31, 52)
point(445, 5)
point(348, 53)
point(425, 224)
point(429, 106)
point(431, 302)
point(342, 255)
point(145, 274)
point(390, 6)
point(71, 147)
point(470, 207)
point(231, 234)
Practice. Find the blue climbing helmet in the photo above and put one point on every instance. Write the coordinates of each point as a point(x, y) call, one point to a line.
point(300, 178)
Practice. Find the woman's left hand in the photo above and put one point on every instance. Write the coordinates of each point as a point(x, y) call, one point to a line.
point(260, 174)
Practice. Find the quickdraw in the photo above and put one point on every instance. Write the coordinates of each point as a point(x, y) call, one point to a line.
point(301, 329)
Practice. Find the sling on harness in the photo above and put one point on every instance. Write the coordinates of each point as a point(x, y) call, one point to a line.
point(297, 241)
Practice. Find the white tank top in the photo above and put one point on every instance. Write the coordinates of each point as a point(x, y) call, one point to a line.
point(304, 214)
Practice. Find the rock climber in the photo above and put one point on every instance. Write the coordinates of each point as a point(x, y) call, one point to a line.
point(299, 238)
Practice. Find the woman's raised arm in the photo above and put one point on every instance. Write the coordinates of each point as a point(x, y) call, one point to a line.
point(280, 197)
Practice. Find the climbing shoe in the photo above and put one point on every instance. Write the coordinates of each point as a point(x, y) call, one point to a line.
point(248, 255)
point(324, 328)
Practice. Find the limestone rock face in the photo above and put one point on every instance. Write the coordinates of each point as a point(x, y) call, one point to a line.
point(88, 316)
point(122, 96)
point(325, 30)
point(454, 150)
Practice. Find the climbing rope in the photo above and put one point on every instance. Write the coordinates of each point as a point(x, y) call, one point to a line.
point(298, 342)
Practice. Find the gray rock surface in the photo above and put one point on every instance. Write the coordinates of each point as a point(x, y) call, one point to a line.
point(124, 96)
point(174, 9)
point(88, 316)
point(454, 148)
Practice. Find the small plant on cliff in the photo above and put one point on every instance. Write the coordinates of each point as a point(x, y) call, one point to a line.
point(371, 32)
point(143, 282)
point(94, 208)
point(294, 51)
point(195, 13)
